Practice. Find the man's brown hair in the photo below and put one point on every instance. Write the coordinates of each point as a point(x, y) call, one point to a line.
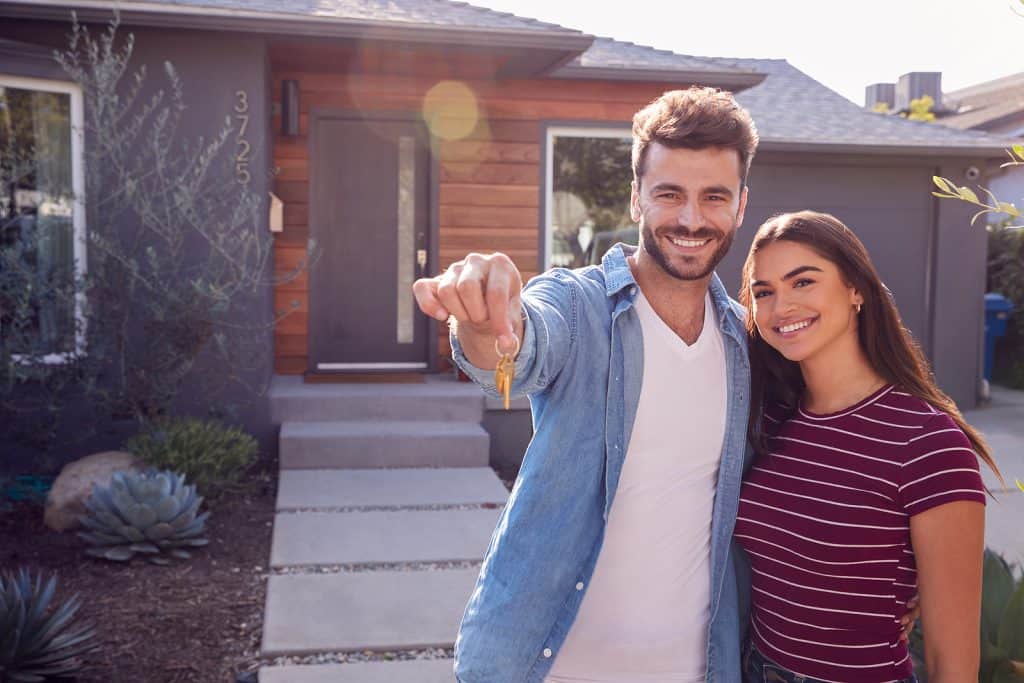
point(694, 118)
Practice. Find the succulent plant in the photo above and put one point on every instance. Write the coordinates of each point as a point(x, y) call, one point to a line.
point(1002, 622)
point(153, 513)
point(37, 642)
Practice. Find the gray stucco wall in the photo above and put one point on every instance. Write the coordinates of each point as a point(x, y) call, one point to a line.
point(213, 68)
point(959, 307)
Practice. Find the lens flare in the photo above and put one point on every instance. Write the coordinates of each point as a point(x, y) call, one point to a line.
point(451, 110)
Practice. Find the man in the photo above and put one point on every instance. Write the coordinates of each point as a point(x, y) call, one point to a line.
point(637, 373)
point(638, 379)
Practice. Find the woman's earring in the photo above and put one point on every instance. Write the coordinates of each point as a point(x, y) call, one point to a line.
point(858, 309)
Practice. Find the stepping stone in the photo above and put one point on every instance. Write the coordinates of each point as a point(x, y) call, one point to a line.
point(379, 610)
point(398, 487)
point(314, 538)
point(1002, 525)
point(406, 671)
point(293, 400)
point(382, 443)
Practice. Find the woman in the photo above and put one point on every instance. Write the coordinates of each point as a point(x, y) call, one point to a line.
point(866, 488)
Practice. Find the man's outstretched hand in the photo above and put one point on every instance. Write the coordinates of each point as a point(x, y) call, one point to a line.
point(482, 293)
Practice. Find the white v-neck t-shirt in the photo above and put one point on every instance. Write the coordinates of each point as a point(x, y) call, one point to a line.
point(644, 616)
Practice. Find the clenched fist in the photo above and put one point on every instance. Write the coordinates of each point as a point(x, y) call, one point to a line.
point(483, 294)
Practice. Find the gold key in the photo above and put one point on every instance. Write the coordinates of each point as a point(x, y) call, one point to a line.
point(505, 372)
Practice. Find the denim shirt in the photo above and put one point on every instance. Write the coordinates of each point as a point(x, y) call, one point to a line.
point(581, 363)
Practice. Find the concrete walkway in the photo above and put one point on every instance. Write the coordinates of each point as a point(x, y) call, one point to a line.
point(374, 561)
point(1002, 423)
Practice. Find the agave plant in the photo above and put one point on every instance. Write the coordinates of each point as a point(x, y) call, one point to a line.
point(37, 642)
point(1002, 622)
point(151, 512)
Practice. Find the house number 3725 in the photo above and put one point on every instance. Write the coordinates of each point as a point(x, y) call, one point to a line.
point(242, 174)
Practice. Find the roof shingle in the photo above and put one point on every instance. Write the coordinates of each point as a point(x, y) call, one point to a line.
point(434, 13)
point(791, 107)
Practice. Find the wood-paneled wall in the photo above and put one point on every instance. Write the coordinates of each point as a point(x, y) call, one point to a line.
point(490, 181)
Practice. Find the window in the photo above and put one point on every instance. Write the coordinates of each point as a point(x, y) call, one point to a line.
point(588, 180)
point(42, 219)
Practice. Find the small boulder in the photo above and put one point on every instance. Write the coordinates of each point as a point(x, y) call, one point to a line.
point(73, 486)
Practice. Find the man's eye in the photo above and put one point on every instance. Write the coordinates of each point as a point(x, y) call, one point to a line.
point(716, 198)
point(803, 282)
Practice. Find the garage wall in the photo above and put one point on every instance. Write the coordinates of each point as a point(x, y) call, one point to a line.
point(959, 288)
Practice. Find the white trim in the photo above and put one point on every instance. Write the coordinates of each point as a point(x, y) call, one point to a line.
point(371, 366)
point(549, 167)
point(77, 113)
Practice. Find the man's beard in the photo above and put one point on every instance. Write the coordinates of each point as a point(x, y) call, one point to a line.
point(651, 246)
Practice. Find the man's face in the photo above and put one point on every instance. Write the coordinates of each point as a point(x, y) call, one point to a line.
point(689, 205)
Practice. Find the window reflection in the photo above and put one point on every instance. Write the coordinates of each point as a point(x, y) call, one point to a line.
point(36, 217)
point(589, 198)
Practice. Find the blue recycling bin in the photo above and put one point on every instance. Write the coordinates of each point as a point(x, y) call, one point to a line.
point(997, 315)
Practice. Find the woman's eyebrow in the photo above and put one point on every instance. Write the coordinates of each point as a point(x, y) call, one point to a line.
point(790, 275)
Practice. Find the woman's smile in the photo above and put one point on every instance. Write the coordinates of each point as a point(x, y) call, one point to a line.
point(790, 329)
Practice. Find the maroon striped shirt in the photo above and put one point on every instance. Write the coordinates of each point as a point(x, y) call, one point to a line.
point(825, 520)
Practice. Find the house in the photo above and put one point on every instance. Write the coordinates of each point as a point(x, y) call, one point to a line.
point(403, 134)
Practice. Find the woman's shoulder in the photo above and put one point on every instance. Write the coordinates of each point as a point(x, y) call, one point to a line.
point(899, 408)
point(924, 426)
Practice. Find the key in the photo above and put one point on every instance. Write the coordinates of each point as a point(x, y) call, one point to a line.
point(505, 373)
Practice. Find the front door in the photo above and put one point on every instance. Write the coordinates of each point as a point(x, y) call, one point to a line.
point(370, 216)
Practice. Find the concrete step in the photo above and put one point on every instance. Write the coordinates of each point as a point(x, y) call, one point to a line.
point(292, 400)
point(382, 443)
point(374, 610)
point(391, 487)
point(320, 538)
point(410, 671)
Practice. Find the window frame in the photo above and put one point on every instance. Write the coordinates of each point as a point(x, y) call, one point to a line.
point(79, 238)
point(573, 130)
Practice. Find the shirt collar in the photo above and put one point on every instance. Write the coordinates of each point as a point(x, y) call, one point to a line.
point(618, 276)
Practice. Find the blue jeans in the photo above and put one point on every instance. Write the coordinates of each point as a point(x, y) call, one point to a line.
point(759, 669)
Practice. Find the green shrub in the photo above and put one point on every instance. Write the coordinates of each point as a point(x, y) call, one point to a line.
point(1006, 276)
point(212, 456)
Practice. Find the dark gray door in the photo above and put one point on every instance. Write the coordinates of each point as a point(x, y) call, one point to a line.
point(370, 217)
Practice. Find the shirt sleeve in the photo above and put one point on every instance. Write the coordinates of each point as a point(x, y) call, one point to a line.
point(941, 467)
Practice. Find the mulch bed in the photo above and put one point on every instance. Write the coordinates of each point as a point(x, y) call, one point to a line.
point(196, 621)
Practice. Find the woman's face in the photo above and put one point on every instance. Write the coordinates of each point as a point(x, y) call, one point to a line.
point(801, 304)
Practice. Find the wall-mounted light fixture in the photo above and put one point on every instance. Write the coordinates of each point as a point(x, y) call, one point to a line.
point(289, 107)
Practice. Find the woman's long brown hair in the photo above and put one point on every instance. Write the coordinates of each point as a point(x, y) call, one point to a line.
point(888, 345)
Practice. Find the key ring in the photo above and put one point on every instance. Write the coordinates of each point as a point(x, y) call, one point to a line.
point(497, 349)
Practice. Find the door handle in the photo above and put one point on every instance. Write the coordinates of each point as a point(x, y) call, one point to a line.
point(421, 260)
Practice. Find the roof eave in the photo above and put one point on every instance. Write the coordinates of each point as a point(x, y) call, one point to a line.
point(321, 26)
point(728, 79)
point(936, 150)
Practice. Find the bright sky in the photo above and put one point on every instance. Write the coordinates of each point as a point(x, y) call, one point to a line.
point(845, 45)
